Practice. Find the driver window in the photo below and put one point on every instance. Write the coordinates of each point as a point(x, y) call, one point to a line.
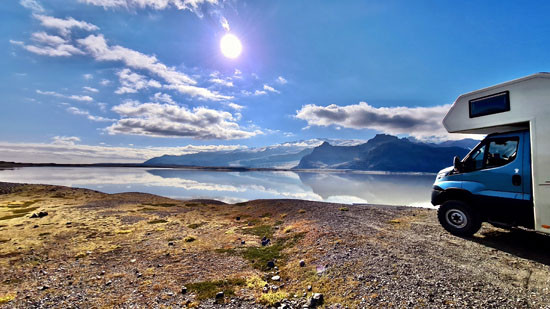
point(476, 160)
point(501, 152)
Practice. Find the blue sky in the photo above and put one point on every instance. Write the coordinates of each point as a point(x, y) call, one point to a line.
point(124, 80)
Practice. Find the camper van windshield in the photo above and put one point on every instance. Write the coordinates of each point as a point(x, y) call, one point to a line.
point(492, 104)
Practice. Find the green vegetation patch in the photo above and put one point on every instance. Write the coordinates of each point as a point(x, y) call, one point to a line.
point(260, 230)
point(196, 225)
point(266, 215)
point(209, 289)
point(259, 256)
point(241, 204)
point(24, 211)
point(343, 209)
point(12, 216)
point(189, 239)
point(22, 205)
point(273, 298)
point(156, 221)
point(161, 204)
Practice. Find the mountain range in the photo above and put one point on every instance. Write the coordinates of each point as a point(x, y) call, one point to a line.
point(381, 153)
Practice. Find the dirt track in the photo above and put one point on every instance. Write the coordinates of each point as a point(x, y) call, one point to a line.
point(138, 250)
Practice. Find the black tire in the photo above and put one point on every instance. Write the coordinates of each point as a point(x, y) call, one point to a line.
point(458, 218)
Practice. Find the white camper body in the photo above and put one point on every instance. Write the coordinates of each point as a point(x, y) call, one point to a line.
point(528, 108)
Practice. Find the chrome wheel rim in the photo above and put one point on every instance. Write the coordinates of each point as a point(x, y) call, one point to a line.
point(456, 218)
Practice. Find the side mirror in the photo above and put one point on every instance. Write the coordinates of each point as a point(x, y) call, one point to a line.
point(457, 164)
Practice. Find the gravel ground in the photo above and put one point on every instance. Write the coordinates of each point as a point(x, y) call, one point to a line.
point(358, 256)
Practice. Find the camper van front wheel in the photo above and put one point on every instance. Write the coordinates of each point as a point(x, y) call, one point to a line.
point(458, 218)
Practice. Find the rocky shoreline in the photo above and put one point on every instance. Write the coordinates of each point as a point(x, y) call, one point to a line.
point(67, 247)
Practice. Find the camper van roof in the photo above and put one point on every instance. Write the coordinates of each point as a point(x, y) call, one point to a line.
point(504, 107)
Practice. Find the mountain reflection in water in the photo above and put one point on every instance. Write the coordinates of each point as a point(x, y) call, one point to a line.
point(340, 187)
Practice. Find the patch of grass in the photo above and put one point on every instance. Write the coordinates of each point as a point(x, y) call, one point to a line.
point(147, 209)
point(394, 221)
point(22, 204)
point(3, 241)
point(6, 299)
point(24, 210)
point(196, 225)
point(301, 211)
point(230, 251)
point(343, 209)
point(259, 256)
point(156, 221)
point(161, 204)
point(266, 215)
point(12, 216)
point(241, 204)
point(124, 231)
point(44, 234)
point(288, 229)
point(193, 204)
point(209, 289)
point(253, 222)
point(270, 299)
point(279, 222)
point(255, 282)
point(283, 216)
point(260, 230)
point(189, 238)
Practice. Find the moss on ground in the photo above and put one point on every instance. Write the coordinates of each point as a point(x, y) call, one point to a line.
point(156, 221)
point(196, 225)
point(260, 231)
point(209, 289)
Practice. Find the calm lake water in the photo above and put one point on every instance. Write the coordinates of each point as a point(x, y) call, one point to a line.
point(340, 187)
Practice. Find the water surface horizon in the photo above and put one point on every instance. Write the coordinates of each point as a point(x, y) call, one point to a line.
point(237, 186)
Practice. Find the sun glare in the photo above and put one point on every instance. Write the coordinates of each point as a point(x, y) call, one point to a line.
point(231, 46)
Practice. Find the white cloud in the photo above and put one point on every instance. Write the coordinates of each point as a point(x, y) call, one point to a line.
point(90, 89)
point(83, 98)
point(102, 106)
point(61, 50)
point(64, 149)
point(44, 38)
point(65, 140)
point(132, 82)
point(81, 112)
point(32, 5)
point(223, 82)
point(423, 123)
point(235, 106)
point(167, 120)
point(160, 97)
point(97, 46)
point(64, 26)
point(281, 80)
point(105, 82)
point(191, 5)
point(271, 89)
point(258, 92)
point(88, 76)
point(224, 23)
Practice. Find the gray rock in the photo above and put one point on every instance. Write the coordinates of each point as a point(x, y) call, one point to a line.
point(183, 290)
point(276, 278)
point(270, 264)
point(309, 288)
point(219, 295)
point(302, 263)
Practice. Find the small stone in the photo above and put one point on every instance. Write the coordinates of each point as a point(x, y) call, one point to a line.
point(265, 289)
point(35, 225)
point(315, 300)
point(169, 294)
point(171, 243)
point(102, 273)
point(159, 265)
point(270, 264)
point(139, 275)
point(68, 223)
point(219, 295)
point(276, 268)
point(302, 263)
point(44, 287)
point(276, 278)
point(265, 241)
point(183, 290)
point(238, 218)
point(132, 260)
point(243, 242)
point(274, 288)
point(309, 288)
point(108, 283)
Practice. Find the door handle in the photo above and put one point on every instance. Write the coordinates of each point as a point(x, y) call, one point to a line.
point(516, 180)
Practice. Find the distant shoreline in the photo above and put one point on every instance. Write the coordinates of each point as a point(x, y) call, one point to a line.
point(6, 165)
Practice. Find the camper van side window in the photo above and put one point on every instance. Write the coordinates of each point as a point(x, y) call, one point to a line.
point(501, 152)
point(475, 161)
point(491, 104)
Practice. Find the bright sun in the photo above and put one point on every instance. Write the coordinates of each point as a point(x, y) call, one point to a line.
point(231, 46)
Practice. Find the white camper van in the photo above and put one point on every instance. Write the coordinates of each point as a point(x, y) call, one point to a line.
point(505, 179)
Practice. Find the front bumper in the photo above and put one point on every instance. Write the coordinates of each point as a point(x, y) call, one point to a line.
point(437, 193)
